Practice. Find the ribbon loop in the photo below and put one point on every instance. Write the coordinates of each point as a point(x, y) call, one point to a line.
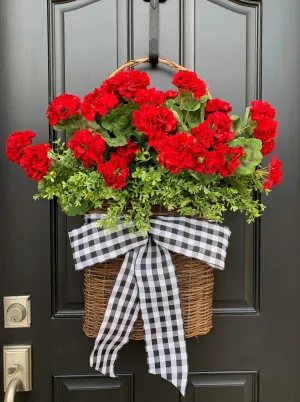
point(147, 281)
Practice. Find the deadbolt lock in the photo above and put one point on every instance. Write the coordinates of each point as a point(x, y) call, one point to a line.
point(17, 311)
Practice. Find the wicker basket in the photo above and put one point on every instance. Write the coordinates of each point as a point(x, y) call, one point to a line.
point(195, 282)
point(195, 278)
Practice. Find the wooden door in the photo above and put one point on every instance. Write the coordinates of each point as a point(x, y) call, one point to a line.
point(244, 49)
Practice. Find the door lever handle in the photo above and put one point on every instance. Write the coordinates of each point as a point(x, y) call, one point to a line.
point(12, 389)
point(17, 370)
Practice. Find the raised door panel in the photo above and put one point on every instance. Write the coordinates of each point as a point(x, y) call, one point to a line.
point(92, 388)
point(222, 386)
point(88, 40)
point(222, 43)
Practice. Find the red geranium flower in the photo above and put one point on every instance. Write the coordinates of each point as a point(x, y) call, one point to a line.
point(150, 97)
point(220, 123)
point(126, 83)
point(128, 152)
point(35, 161)
point(114, 172)
point(155, 122)
point(266, 130)
point(171, 94)
point(87, 147)
point(261, 111)
point(98, 102)
point(176, 152)
point(217, 105)
point(274, 173)
point(189, 81)
point(62, 107)
point(267, 147)
point(205, 162)
point(204, 134)
point(16, 143)
point(228, 159)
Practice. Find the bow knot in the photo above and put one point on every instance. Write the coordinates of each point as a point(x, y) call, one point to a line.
point(147, 282)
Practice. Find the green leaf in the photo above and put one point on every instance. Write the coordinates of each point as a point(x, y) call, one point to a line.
point(77, 209)
point(183, 127)
point(116, 142)
point(141, 139)
point(204, 99)
point(194, 118)
point(235, 118)
point(91, 124)
point(106, 123)
point(237, 124)
point(252, 157)
point(169, 104)
point(62, 125)
point(190, 104)
point(177, 113)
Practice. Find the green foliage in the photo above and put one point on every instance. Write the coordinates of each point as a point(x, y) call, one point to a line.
point(75, 123)
point(252, 157)
point(119, 123)
point(78, 189)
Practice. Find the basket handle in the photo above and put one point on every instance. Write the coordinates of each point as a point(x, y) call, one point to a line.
point(133, 63)
point(167, 62)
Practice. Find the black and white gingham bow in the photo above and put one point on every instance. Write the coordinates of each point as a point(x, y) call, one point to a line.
point(147, 282)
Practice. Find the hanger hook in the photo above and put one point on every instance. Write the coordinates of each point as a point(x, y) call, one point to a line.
point(154, 32)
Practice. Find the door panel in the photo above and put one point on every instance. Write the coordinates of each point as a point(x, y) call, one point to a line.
point(93, 388)
point(244, 49)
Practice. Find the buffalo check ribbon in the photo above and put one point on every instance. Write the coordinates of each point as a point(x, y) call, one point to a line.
point(147, 282)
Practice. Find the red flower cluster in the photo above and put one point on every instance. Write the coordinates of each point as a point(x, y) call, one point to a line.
point(274, 173)
point(98, 102)
point(126, 83)
point(32, 158)
point(16, 143)
point(62, 107)
point(128, 152)
point(35, 161)
point(266, 129)
point(90, 148)
point(114, 172)
point(189, 81)
point(221, 124)
point(201, 152)
point(217, 105)
point(176, 152)
point(150, 97)
point(87, 147)
point(154, 122)
point(228, 159)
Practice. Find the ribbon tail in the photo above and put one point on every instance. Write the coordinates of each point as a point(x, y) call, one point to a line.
point(161, 313)
point(119, 318)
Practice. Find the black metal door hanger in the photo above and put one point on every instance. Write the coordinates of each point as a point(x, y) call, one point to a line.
point(154, 30)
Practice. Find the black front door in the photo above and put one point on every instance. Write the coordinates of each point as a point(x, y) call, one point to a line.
point(244, 49)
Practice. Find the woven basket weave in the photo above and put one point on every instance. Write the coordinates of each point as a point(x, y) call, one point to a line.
point(195, 282)
point(195, 278)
